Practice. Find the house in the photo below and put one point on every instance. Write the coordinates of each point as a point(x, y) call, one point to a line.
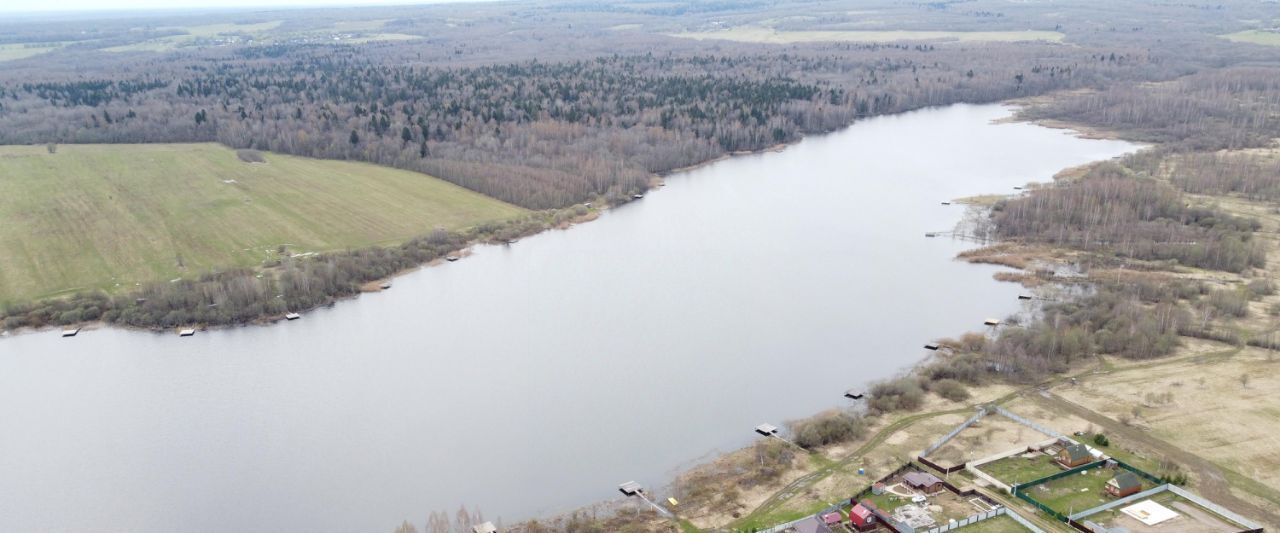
point(809, 525)
point(1124, 484)
point(486, 527)
point(832, 519)
point(1074, 455)
point(923, 482)
point(861, 518)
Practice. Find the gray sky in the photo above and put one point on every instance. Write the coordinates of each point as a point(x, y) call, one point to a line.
point(9, 6)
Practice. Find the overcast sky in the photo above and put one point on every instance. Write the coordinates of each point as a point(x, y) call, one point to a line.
point(10, 6)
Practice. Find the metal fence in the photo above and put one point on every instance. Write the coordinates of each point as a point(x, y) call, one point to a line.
point(1025, 523)
point(1215, 508)
point(1018, 490)
point(973, 519)
point(982, 411)
point(1030, 424)
point(998, 511)
point(1116, 503)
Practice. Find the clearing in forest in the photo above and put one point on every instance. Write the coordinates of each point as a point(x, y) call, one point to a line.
point(9, 52)
point(194, 33)
point(1264, 37)
point(769, 35)
point(110, 216)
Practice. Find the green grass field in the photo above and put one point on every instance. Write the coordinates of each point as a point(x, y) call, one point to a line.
point(1077, 492)
point(1269, 38)
point(769, 35)
point(1014, 470)
point(164, 44)
point(110, 216)
point(377, 37)
point(999, 524)
point(9, 52)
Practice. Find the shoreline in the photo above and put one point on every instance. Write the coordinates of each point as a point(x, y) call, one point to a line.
point(657, 180)
point(884, 421)
point(594, 212)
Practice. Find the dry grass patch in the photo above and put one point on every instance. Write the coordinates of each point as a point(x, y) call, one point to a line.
point(989, 436)
point(1225, 409)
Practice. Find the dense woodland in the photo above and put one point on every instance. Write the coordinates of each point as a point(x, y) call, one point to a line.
point(1132, 217)
point(538, 134)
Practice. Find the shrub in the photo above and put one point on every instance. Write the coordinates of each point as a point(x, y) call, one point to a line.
point(902, 394)
point(1101, 440)
point(827, 429)
point(1260, 287)
point(1230, 302)
point(950, 389)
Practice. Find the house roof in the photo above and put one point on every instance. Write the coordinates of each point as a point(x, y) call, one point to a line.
point(1077, 452)
point(831, 518)
point(921, 479)
point(860, 511)
point(1126, 480)
point(811, 525)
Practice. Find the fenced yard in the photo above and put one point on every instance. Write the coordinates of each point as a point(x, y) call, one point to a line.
point(1077, 492)
point(1191, 517)
point(1021, 468)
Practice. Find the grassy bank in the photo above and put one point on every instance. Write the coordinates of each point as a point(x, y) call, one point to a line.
point(112, 216)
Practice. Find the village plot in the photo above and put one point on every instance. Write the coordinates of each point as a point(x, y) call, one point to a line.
point(1087, 489)
point(922, 500)
point(1022, 468)
point(988, 436)
point(1169, 513)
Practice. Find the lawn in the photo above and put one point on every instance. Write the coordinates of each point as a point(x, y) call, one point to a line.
point(1016, 469)
point(769, 35)
point(1077, 492)
point(888, 501)
point(1269, 38)
point(110, 216)
point(999, 524)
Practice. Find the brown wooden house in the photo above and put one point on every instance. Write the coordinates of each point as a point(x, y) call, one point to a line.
point(923, 482)
point(1074, 455)
point(1124, 484)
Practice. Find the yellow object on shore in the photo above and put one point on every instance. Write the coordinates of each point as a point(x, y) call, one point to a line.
point(673, 502)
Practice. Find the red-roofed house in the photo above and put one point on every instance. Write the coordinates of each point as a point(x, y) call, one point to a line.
point(861, 518)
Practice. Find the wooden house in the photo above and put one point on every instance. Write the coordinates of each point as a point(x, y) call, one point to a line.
point(1074, 455)
point(861, 518)
point(1124, 484)
point(923, 482)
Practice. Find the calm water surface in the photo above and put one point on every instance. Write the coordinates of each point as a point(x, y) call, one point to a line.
point(533, 378)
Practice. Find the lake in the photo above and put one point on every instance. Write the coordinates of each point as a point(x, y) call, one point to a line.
point(533, 378)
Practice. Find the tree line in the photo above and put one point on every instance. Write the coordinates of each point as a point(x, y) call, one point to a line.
point(534, 133)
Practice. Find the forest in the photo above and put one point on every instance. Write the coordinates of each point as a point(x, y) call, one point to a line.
point(538, 134)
